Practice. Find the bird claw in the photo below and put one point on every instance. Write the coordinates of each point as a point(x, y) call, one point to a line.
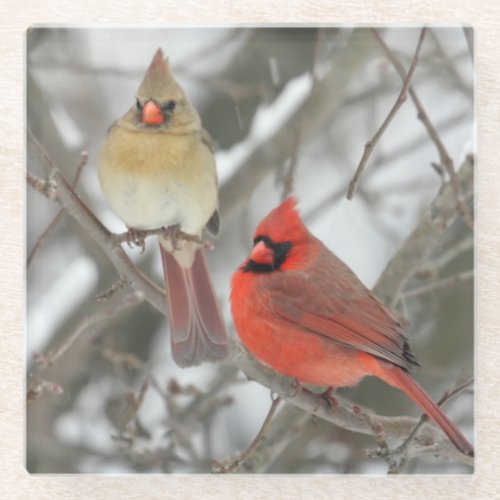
point(331, 400)
point(172, 233)
point(295, 387)
point(135, 237)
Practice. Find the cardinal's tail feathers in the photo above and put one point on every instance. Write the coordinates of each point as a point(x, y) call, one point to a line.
point(408, 384)
point(197, 329)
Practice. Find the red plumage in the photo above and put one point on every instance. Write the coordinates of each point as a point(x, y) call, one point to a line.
point(301, 311)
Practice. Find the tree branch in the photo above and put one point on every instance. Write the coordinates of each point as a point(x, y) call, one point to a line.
point(424, 239)
point(370, 145)
point(75, 207)
point(314, 112)
point(398, 459)
point(353, 417)
point(38, 185)
point(286, 426)
point(441, 283)
point(87, 322)
point(445, 158)
point(235, 464)
point(439, 216)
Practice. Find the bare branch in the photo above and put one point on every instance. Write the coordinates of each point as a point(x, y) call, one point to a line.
point(46, 187)
point(93, 227)
point(445, 256)
point(449, 395)
point(235, 464)
point(81, 164)
point(316, 109)
point(399, 457)
point(440, 215)
point(125, 420)
point(285, 427)
point(438, 284)
point(423, 240)
point(370, 145)
point(38, 386)
point(445, 158)
point(84, 325)
point(352, 416)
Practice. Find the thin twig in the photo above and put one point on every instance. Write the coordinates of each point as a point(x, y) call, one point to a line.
point(441, 283)
point(442, 208)
point(39, 386)
point(47, 187)
point(36, 183)
point(376, 427)
point(287, 426)
point(132, 362)
point(422, 242)
point(315, 111)
point(235, 464)
point(407, 148)
point(370, 145)
point(87, 322)
point(344, 416)
point(445, 158)
point(81, 164)
point(89, 223)
point(124, 419)
point(402, 450)
point(448, 66)
point(111, 291)
point(444, 256)
point(448, 395)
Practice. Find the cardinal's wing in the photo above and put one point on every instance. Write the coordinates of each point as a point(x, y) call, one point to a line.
point(350, 316)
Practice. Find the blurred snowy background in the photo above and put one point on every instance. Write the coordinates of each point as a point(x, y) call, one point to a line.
point(249, 86)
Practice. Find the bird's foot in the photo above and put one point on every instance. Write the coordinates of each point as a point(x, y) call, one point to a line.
point(172, 233)
point(295, 388)
point(329, 398)
point(135, 237)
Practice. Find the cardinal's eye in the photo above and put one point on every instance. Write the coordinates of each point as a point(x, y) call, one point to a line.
point(170, 106)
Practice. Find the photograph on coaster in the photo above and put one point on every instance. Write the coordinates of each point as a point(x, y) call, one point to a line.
point(250, 250)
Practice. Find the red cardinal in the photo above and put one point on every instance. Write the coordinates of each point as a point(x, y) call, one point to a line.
point(157, 169)
point(301, 311)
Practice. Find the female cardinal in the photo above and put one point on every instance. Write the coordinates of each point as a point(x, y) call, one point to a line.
point(301, 311)
point(157, 169)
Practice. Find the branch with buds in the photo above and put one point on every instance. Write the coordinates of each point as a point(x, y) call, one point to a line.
point(429, 441)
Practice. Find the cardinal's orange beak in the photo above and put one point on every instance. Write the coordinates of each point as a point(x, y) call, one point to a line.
point(152, 114)
point(261, 254)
